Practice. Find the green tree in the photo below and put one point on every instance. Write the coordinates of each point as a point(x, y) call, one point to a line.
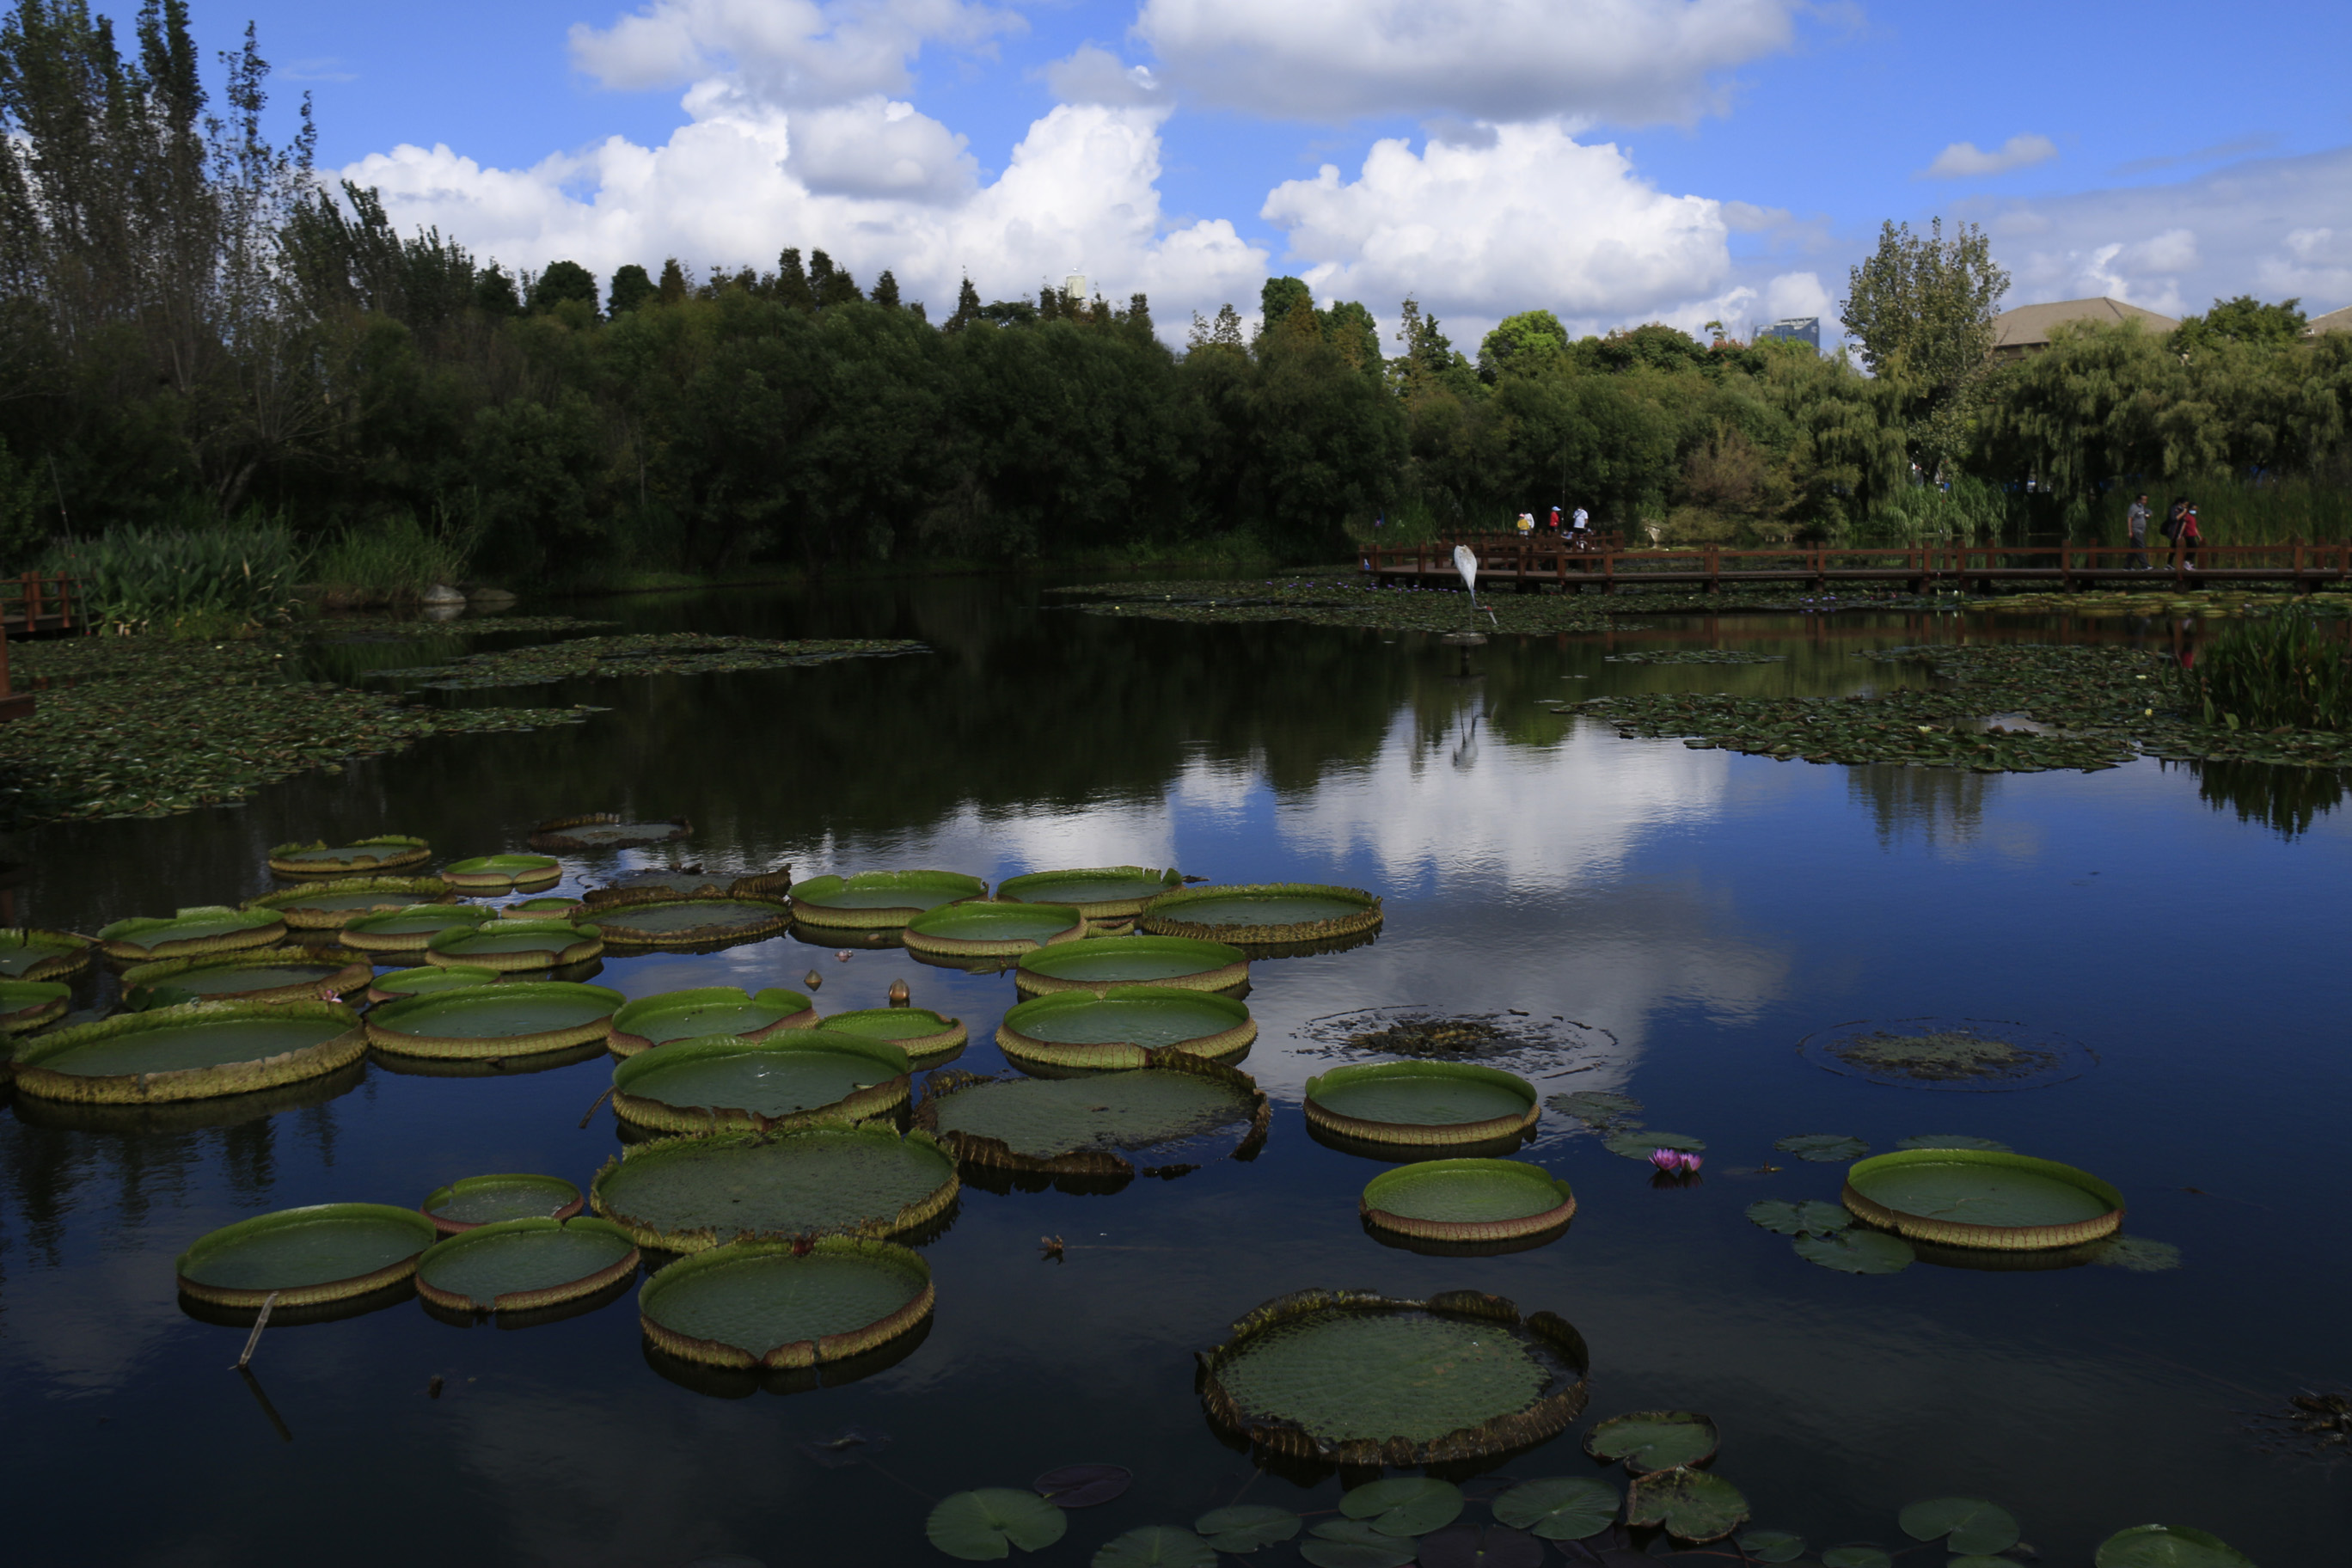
point(2244, 319)
point(967, 308)
point(886, 291)
point(631, 288)
point(1530, 341)
point(1278, 297)
point(673, 287)
point(565, 280)
point(494, 293)
point(1922, 306)
point(830, 284)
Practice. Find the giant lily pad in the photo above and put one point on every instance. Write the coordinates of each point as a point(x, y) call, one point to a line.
point(983, 930)
point(884, 900)
point(29, 1004)
point(500, 873)
point(195, 1051)
point(334, 904)
point(368, 856)
point(1654, 1440)
point(984, 1525)
point(650, 1021)
point(1246, 1528)
point(510, 1018)
point(400, 983)
point(797, 1078)
point(604, 830)
point(926, 1036)
point(27, 953)
point(691, 923)
point(786, 1304)
point(1559, 1508)
point(690, 1193)
point(1098, 1124)
point(260, 975)
point(1100, 893)
point(1421, 1104)
point(1468, 1200)
point(2168, 1546)
point(210, 928)
point(508, 945)
point(516, 1265)
point(1693, 1505)
point(1346, 1378)
point(1262, 913)
point(486, 1200)
point(1100, 963)
point(1122, 1026)
point(409, 930)
point(1974, 1197)
point(1155, 1546)
point(326, 1252)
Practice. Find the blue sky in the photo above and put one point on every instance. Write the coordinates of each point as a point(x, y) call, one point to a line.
point(1613, 160)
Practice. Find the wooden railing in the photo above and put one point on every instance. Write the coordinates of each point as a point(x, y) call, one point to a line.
point(35, 601)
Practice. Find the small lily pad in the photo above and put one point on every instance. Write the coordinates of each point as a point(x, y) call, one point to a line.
point(1857, 1557)
point(1772, 1545)
point(981, 1526)
point(1809, 1217)
point(1408, 1505)
point(1558, 1508)
point(1651, 1440)
point(1693, 1505)
point(1156, 1546)
point(1824, 1148)
point(2139, 1253)
point(1082, 1486)
point(1975, 1527)
point(1467, 1546)
point(1597, 1107)
point(1953, 1141)
point(1355, 1543)
point(2168, 1546)
point(1637, 1144)
point(1246, 1527)
point(1857, 1252)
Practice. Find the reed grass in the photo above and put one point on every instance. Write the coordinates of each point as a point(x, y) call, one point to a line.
point(2273, 670)
point(193, 583)
point(391, 562)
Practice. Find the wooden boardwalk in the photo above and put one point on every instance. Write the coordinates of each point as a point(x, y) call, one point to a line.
point(1531, 566)
point(32, 604)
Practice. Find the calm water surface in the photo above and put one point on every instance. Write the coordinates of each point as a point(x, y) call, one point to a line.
point(1690, 917)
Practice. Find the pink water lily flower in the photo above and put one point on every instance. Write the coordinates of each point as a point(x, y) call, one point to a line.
point(1673, 1161)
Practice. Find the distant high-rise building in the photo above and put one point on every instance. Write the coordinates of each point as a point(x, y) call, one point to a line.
point(1074, 287)
point(1796, 328)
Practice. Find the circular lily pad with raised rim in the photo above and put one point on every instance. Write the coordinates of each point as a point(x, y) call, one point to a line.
point(333, 904)
point(486, 1200)
point(29, 1004)
point(288, 973)
point(208, 927)
point(772, 1304)
point(1099, 1125)
point(1100, 963)
point(326, 1252)
point(690, 1193)
point(651, 1021)
point(1347, 1378)
point(409, 930)
point(1976, 1197)
point(1262, 913)
point(516, 1265)
point(1468, 1200)
point(554, 907)
point(991, 929)
point(926, 1036)
point(508, 1018)
point(29, 953)
point(367, 858)
point(195, 1051)
point(1119, 1027)
point(880, 898)
point(691, 923)
point(497, 873)
point(1100, 893)
point(401, 983)
point(604, 830)
point(796, 1078)
point(510, 945)
point(1421, 1104)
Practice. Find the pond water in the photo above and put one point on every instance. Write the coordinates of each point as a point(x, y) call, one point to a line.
point(1689, 918)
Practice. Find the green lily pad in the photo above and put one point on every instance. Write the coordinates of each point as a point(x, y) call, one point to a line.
point(1974, 1527)
point(981, 1526)
point(1772, 1545)
point(794, 1077)
point(650, 1021)
point(687, 1194)
point(1857, 1252)
point(321, 1253)
point(1693, 1505)
point(1559, 1508)
point(1101, 892)
point(2137, 1253)
point(1046, 1119)
point(2168, 1546)
point(1857, 1557)
point(1421, 1103)
point(1262, 913)
point(1640, 1143)
point(1099, 964)
point(1079, 1029)
point(1824, 1148)
point(993, 929)
point(1473, 1199)
point(1353, 1543)
point(1809, 1217)
point(501, 1019)
point(1970, 1197)
point(1651, 1440)
point(1156, 1546)
point(1246, 1527)
point(794, 1303)
point(1407, 1505)
point(524, 1263)
point(497, 873)
point(879, 899)
point(1597, 1107)
point(1953, 1141)
point(473, 1201)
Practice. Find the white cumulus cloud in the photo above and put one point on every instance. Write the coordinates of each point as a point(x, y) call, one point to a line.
point(801, 51)
point(1967, 161)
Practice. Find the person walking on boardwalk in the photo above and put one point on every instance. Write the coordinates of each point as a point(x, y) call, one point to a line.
point(2136, 526)
point(2190, 541)
point(1527, 524)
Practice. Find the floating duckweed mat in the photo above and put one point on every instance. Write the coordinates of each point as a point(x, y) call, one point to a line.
point(27, 952)
point(798, 1078)
point(334, 903)
point(497, 873)
point(1179, 1111)
point(1946, 1054)
point(604, 830)
point(880, 898)
point(326, 1252)
point(1468, 1200)
point(403, 983)
point(1695, 656)
point(1100, 893)
point(687, 1194)
point(486, 1200)
point(649, 653)
point(1262, 913)
point(516, 1265)
point(368, 856)
point(1122, 1027)
point(195, 1051)
point(1100, 963)
point(682, 922)
point(508, 945)
point(1975, 1197)
point(288, 973)
point(992, 930)
point(776, 1304)
point(1418, 1104)
point(1351, 1378)
point(409, 930)
point(210, 928)
point(650, 1021)
point(510, 1018)
point(29, 1004)
point(926, 1036)
point(1505, 1036)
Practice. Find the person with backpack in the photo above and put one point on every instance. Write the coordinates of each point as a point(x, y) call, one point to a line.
point(2172, 530)
point(2192, 542)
